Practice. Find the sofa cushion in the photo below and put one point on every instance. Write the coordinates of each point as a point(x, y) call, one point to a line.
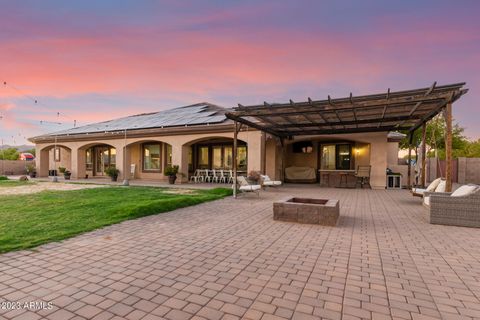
point(254, 187)
point(265, 177)
point(465, 190)
point(441, 186)
point(434, 184)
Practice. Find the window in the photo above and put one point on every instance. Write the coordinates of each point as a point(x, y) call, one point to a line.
point(228, 157)
point(151, 157)
point(328, 157)
point(89, 159)
point(168, 155)
point(242, 158)
point(336, 157)
point(113, 157)
point(217, 157)
point(344, 152)
point(203, 162)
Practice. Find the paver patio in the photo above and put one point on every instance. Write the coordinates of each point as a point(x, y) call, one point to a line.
point(228, 260)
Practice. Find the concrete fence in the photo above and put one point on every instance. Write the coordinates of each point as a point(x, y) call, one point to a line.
point(466, 170)
point(14, 167)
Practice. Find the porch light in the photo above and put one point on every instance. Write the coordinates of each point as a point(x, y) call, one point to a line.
point(308, 149)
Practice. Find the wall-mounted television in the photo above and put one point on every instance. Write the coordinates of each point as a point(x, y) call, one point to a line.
point(302, 147)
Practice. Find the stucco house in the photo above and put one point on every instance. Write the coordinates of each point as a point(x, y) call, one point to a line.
point(200, 136)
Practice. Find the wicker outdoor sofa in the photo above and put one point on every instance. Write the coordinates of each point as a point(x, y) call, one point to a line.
point(450, 210)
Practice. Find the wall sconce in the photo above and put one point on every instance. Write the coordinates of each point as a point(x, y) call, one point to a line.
point(357, 151)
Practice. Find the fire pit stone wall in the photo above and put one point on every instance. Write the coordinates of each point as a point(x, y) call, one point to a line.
point(304, 210)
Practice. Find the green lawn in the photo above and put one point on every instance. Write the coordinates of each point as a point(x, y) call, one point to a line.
point(30, 220)
point(13, 183)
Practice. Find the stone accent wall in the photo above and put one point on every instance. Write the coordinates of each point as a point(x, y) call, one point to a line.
point(14, 167)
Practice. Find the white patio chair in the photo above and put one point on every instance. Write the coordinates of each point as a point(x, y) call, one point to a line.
point(230, 176)
point(203, 175)
point(246, 187)
point(197, 177)
point(222, 177)
point(218, 176)
point(210, 175)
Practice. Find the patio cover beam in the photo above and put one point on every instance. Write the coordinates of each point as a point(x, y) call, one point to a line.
point(401, 110)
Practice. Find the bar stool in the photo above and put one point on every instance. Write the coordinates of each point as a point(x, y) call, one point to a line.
point(342, 176)
point(325, 179)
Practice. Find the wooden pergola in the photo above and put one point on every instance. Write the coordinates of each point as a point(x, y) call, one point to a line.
point(390, 111)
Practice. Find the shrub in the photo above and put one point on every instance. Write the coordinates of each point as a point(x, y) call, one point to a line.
point(171, 170)
point(112, 172)
point(3, 178)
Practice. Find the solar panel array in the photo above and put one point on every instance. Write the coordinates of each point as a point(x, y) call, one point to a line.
point(197, 114)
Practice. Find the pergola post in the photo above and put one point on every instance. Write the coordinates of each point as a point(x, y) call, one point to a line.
point(284, 152)
point(448, 147)
point(409, 175)
point(424, 154)
point(235, 141)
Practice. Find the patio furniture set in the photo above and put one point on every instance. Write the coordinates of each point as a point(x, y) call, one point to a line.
point(212, 176)
point(458, 208)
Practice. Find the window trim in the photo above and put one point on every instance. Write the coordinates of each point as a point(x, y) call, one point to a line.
point(159, 144)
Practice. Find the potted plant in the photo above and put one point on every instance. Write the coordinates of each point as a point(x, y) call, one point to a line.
point(171, 172)
point(254, 177)
point(112, 172)
point(67, 174)
point(32, 171)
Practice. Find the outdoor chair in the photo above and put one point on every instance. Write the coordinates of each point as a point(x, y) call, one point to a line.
point(419, 192)
point(267, 182)
point(222, 177)
point(246, 187)
point(459, 208)
point(215, 175)
point(203, 175)
point(197, 176)
point(209, 175)
point(230, 176)
point(363, 175)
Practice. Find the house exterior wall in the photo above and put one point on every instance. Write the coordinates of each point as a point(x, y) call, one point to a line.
point(180, 147)
point(65, 159)
point(372, 149)
point(392, 153)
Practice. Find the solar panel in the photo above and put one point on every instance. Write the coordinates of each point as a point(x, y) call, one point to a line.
point(189, 115)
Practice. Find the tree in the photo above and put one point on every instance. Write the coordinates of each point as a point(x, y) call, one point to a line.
point(9, 154)
point(435, 139)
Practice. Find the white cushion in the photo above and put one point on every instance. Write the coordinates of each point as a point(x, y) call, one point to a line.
point(272, 183)
point(434, 184)
point(250, 188)
point(419, 191)
point(441, 186)
point(426, 201)
point(265, 178)
point(464, 190)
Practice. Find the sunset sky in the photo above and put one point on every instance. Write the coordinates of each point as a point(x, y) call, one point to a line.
point(97, 60)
